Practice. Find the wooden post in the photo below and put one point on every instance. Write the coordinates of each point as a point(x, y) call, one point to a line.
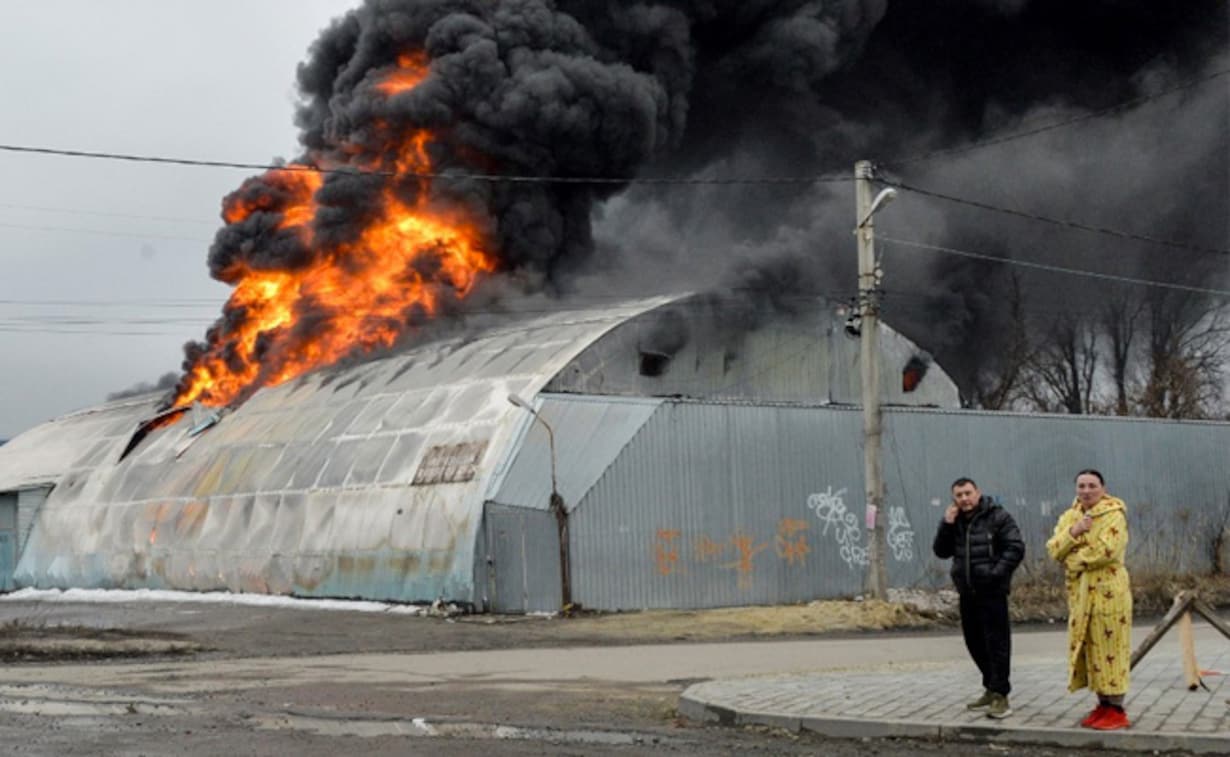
point(1185, 603)
point(1187, 645)
point(1181, 602)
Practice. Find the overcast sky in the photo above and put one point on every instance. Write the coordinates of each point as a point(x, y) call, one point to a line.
point(104, 262)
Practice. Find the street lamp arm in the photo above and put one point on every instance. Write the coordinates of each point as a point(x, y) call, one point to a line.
point(521, 403)
point(883, 198)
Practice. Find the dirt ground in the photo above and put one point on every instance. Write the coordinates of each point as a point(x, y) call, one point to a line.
point(46, 631)
point(50, 630)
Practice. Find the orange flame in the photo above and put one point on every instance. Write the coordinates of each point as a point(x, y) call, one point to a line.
point(358, 294)
point(411, 69)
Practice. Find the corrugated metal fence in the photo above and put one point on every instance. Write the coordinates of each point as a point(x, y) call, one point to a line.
point(726, 504)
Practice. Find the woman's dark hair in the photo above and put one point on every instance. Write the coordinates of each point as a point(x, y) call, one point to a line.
point(1091, 472)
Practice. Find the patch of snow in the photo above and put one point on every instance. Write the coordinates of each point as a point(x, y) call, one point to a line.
point(119, 596)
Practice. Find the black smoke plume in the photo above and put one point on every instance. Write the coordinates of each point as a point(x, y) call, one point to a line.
point(719, 89)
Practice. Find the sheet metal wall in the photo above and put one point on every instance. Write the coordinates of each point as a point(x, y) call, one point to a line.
point(724, 504)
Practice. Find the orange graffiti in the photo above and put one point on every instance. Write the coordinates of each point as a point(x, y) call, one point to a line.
point(791, 542)
point(706, 549)
point(665, 551)
point(748, 550)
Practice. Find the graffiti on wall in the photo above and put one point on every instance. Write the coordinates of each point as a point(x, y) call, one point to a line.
point(737, 553)
point(900, 535)
point(741, 552)
point(666, 551)
point(831, 509)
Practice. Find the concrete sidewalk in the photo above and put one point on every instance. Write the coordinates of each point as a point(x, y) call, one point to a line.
point(927, 701)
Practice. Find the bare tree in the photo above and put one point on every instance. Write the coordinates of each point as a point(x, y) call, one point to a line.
point(996, 381)
point(1062, 366)
point(1121, 322)
point(1187, 344)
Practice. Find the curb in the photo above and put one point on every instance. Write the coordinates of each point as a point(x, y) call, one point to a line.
point(694, 706)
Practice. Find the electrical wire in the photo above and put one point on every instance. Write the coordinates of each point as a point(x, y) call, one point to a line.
point(184, 303)
point(1054, 268)
point(169, 219)
point(1053, 221)
point(449, 176)
point(101, 232)
point(992, 141)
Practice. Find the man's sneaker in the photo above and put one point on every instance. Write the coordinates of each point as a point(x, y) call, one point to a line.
point(999, 707)
point(1112, 719)
point(1095, 715)
point(982, 702)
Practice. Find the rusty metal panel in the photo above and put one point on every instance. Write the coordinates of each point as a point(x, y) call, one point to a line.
point(450, 463)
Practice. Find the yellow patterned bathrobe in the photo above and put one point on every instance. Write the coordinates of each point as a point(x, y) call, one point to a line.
point(1099, 597)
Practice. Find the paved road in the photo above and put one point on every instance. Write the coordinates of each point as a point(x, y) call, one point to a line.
point(570, 700)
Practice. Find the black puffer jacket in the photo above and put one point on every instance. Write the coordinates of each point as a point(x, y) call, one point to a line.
point(985, 547)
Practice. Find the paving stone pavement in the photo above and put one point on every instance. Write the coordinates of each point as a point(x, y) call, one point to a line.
point(928, 701)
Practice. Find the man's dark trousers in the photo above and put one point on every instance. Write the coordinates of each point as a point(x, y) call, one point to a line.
point(984, 621)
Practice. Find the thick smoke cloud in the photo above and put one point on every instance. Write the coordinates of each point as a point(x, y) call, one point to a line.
point(763, 88)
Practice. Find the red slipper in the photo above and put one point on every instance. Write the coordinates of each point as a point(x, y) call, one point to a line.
point(1112, 719)
point(1096, 714)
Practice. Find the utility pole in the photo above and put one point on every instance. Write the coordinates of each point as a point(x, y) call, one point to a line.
point(869, 368)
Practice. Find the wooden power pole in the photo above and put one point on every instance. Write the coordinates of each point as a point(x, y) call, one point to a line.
point(869, 365)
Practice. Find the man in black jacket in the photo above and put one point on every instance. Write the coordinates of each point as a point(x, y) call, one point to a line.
point(985, 546)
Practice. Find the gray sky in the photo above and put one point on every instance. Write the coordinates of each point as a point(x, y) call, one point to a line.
point(104, 262)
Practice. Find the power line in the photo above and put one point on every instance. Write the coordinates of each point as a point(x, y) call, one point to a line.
point(43, 209)
point(101, 232)
point(1190, 84)
point(1054, 221)
point(1054, 268)
point(450, 176)
point(184, 303)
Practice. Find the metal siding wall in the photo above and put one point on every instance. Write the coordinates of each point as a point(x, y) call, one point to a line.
point(702, 508)
point(1173, 477)
point(28, 503)
point(8, 511)
point(708, 506)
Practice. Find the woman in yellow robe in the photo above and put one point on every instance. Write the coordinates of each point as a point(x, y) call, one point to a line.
point(1090, 540)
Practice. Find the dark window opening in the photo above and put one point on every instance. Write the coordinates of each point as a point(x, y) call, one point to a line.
point(654, 363)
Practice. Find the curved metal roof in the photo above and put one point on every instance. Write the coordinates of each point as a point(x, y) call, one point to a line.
point(363, 480)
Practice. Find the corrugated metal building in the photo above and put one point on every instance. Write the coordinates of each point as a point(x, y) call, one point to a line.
point(703, 460)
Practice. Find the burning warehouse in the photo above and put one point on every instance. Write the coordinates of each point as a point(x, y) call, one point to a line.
point(412, 477)
point(448, 311)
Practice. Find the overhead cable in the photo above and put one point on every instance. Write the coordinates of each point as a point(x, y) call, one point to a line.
point(445, 175)
point(102, 232)
point(1053, 268)
point(1066, 223)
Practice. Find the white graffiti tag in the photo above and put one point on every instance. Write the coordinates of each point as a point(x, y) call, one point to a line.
point(832, 511)
point(900, 535)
